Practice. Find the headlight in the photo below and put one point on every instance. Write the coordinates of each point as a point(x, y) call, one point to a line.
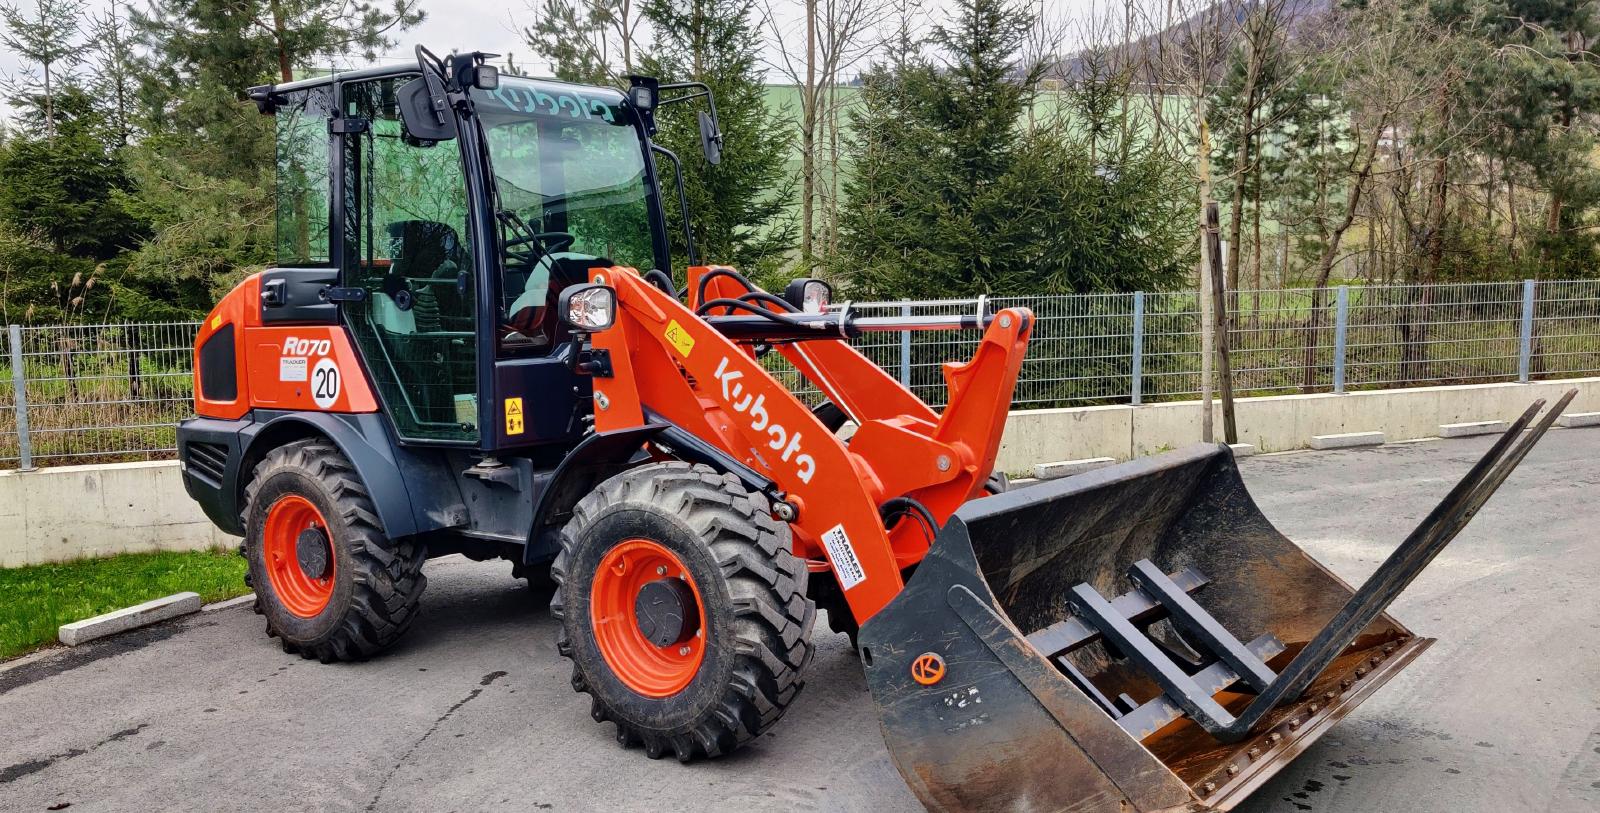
point(588, 308)
point(809, 295)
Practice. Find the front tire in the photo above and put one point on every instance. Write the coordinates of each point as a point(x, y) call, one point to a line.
point(331, 585)
point(683, 610)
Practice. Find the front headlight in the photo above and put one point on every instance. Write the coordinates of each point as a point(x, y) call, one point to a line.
point(588, 308)
point(809, 295)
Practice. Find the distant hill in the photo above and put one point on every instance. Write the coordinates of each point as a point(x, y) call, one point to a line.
point(1226, 17)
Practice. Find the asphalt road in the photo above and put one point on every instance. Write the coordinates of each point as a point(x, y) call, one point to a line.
point(474, 711)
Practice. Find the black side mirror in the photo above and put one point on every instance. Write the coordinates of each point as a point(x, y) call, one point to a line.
point(425, 111)
point(710, 139)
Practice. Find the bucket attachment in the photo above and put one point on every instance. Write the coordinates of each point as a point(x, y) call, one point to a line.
point(1138, 638)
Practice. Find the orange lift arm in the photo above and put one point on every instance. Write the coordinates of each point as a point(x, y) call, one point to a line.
point(700, 374)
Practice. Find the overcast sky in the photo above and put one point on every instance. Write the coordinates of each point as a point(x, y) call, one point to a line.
point(493, 25)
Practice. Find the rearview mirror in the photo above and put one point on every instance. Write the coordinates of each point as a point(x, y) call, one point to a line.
point(426, 114)
point(710, 139)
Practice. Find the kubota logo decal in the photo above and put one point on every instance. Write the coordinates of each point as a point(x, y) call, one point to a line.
point(786, 443)
point(293, 346)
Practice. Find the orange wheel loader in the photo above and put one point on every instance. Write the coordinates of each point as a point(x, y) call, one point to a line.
point(455, 354)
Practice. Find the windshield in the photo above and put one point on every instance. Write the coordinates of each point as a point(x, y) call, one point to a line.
point(569, 170)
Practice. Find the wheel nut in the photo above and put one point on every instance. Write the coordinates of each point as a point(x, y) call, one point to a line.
point(1294, 724)
point(1361, 671)
point(683, 650)
point(1254, 752)
point(1233, 769)
point(1209, 787)
point(1274, 737)
point(661, 570)
point(1328, 695)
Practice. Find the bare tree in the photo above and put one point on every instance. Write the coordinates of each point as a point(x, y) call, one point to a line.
point(817, 52)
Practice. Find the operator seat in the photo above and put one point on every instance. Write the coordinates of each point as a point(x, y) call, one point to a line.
point(427, 257)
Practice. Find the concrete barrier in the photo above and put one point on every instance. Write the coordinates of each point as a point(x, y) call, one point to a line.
point(58, 514)
point(70, 512)
point(1272, 424)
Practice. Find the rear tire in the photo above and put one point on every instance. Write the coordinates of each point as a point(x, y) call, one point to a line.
point(367, 593)
point(753, 635)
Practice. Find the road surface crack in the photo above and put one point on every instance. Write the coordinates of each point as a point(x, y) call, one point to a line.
point(394, 769)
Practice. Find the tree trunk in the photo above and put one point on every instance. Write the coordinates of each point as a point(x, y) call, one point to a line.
point(1330, 252)
point(285, 65)
point(808, 141)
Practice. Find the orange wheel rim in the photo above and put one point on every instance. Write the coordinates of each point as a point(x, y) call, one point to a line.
point(300, 593)
point(641, 665)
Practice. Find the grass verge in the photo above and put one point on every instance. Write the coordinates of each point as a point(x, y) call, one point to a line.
point(37, 599)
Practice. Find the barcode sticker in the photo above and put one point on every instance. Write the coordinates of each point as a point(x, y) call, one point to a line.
point(843, 556)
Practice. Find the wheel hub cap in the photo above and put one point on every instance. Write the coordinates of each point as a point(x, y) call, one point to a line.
point(665, 611)
point(311, 548)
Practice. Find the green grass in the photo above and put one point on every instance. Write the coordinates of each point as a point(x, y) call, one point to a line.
point(36, 599)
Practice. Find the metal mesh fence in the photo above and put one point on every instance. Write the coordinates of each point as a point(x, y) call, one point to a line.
point(104, 392)
point(97, 392)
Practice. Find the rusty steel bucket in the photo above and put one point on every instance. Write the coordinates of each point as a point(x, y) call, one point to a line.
point(1137, 638)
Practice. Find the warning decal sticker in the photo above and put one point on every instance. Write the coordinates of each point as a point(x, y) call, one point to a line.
point(514, 425)
point(843, 556)
point(679, 338)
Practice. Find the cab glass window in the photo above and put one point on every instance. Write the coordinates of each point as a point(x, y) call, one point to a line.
point(406, 232)
point(302, 177)
point(569, 170)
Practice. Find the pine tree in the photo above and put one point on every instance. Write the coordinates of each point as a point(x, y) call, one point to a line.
point(46, 38)
point(69, 186)
point(205, 169)
point(954, 194)
point(739, 208)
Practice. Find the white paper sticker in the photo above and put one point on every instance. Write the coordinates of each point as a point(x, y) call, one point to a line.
point(325, 383)
point(293, 368)
point(843, 556)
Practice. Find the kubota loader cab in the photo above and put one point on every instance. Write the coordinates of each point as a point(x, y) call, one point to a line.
point(456, 354)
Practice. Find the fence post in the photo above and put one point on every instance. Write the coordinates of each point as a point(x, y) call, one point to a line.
point(1525, 349)
point(905, 346)
point(1138, 348)
point(1341, 324)
point(19, 383)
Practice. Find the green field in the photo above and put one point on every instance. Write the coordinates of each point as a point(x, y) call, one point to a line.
point(37, 599)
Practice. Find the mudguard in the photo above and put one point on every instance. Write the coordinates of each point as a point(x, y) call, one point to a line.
point(414, 492)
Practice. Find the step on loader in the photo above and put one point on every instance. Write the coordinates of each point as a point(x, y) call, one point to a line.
point(456, 355)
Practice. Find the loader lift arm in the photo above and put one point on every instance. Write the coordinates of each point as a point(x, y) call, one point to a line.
point(699, 372)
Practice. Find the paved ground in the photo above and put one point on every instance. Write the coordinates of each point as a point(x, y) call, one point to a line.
point(474, 711)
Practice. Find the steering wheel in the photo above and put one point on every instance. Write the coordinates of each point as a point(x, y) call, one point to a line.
point(548, 242)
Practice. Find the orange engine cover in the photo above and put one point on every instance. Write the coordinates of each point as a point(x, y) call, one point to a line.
point(296, 367)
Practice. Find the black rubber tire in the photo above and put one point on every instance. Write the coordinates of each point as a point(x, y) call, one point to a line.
point(757, 617)
point(378, 582)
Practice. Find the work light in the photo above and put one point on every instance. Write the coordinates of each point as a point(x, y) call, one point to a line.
point(809, 295)
point(589, 308)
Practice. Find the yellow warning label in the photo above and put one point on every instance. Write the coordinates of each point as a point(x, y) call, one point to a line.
point(679, 338)
point(514, 416)
point(216, 321)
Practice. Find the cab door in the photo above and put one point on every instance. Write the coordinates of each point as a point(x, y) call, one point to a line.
point(412, 311)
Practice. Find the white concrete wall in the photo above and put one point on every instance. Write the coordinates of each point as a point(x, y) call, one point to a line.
point(70, 512)
point(63, 513)
point(1272, 424)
